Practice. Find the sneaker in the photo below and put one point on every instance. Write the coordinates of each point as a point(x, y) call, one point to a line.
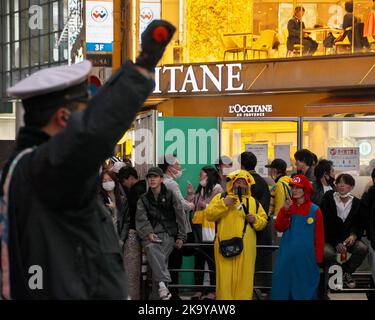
point(349, 281)
point(164, 293)
point(196, 296)
point(209, 296)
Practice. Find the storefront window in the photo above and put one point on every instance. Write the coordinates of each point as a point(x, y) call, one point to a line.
point(220, 30)
point(266, 139)
point(349, 144)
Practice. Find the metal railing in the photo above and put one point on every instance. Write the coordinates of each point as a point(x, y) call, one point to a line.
point(257, 289)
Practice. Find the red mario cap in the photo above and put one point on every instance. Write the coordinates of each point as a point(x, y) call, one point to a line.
point(302, 181)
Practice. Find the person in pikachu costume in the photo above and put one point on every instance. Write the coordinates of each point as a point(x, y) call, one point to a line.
point(235, 275)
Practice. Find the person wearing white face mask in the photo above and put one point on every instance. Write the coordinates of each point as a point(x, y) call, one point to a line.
point(280, 192)
point(343, 228)
point(172, 170)
point(115, 200)
point(204, 230)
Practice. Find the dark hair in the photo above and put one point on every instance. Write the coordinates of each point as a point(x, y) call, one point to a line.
point(213, 178)
point(346, 178)
point(304, 155)
point(117, 190)
point(39, 118)
point(126, 172)
point(349, 6)
point(222, 160)
point(298, 9)
point(315, 158)
point(323, 167)
point(168, 161)
point(248, 160)
point(373, 173)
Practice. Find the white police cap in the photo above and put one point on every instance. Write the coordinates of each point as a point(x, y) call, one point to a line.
point(51, 80)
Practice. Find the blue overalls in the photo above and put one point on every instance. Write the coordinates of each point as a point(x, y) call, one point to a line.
point(296, 273)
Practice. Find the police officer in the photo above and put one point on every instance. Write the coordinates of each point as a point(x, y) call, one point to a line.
point(57, 240)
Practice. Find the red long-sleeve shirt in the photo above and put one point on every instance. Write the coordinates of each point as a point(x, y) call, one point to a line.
point(283, 221)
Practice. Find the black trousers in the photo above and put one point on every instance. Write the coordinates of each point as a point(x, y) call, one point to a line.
point(264, 259)
point(175, 262)
point(309, 46)
point(202, 256)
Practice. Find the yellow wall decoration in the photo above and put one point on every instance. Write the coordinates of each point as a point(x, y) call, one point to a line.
point(206, 20)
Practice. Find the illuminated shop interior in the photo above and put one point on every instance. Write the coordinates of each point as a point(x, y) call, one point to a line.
point(218, 30)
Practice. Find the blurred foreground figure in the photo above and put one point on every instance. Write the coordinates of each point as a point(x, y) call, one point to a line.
point(57, 241)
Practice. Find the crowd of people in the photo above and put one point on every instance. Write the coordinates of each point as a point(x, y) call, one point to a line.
point(88, 241)
point(312, 215)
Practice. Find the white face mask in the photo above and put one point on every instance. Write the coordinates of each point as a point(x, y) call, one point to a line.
point(203, 183)
point(175, 173)
point(109, 185)
point(345, 195)
point(178, 175)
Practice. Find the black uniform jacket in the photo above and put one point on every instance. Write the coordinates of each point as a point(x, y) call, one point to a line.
point(56, 220)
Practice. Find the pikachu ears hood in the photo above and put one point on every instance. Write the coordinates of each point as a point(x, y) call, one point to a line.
point(239, 174)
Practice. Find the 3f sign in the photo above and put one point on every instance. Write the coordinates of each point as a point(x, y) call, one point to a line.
point(36, 280)
point(99, 47)
point(36, 18)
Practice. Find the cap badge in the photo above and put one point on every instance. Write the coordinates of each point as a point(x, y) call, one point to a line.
point(297, 180)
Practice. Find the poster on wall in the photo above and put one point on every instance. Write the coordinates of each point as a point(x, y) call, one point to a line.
point(99, 26)
point(261, 152)
point(149, 11)
point(344, 159)
point(282, 151)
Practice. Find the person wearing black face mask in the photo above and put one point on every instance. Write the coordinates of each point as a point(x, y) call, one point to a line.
point(325, 178)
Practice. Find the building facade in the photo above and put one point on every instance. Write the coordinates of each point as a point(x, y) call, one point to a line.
point(255, 95)
point(30, 38)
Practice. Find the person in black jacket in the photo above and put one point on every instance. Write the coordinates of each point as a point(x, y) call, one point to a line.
point(343, 227)
point(304, 162)
point(160, 222)
point(134, 188)
point(367, 210)
point(294, 33)
point(324, 180)
point(53, 219)
point(347, 24)
point(261, 192)
point(116, 202)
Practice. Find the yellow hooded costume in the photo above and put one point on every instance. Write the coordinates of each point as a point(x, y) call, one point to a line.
point(235, 275)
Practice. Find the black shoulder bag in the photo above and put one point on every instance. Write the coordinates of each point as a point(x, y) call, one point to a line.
point(234, 246)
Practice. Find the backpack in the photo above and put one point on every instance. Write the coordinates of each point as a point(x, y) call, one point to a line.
point(4, 225)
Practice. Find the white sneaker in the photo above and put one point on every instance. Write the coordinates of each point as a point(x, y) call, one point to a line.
point(164, 293)
point(349, 281)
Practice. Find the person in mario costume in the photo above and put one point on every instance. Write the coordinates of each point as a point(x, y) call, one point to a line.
point(296, 273)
